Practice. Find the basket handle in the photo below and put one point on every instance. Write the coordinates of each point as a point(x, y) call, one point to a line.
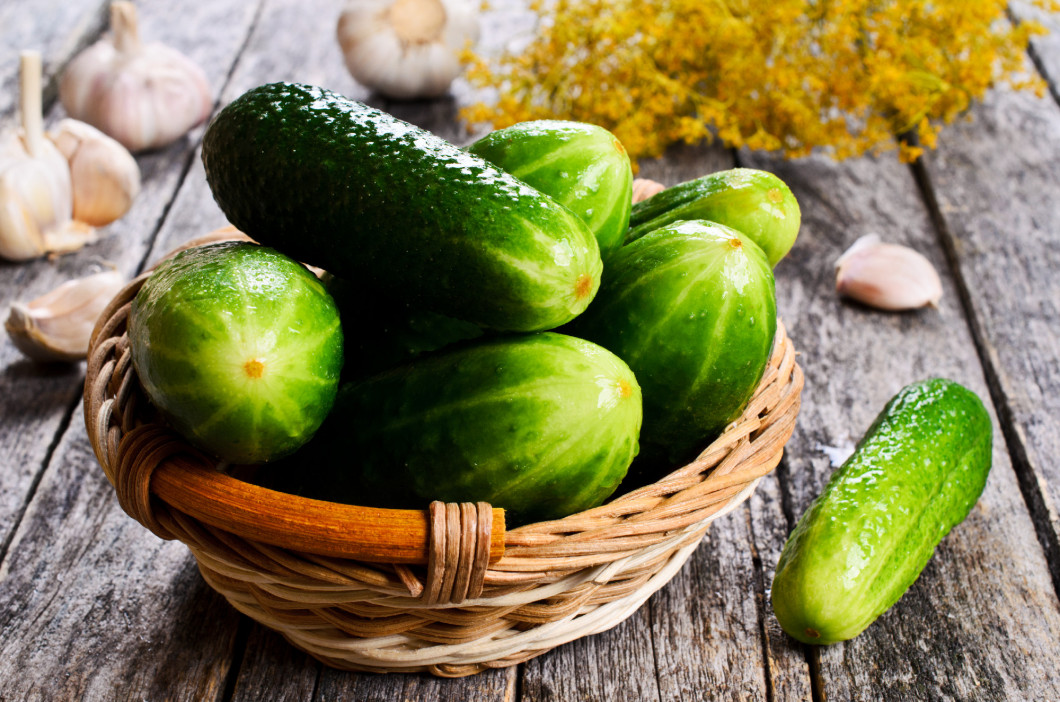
point(370, 534)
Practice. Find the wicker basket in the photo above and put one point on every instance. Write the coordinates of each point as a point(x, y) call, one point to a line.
point(445, 590)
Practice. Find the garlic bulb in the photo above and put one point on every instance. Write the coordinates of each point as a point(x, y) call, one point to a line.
point(36, 202)
point(887, 276)
point(57, 326)
point(406, 48)
point(103, 174)
point(144, 95)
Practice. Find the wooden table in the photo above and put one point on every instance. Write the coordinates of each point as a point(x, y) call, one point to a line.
point(94, 607)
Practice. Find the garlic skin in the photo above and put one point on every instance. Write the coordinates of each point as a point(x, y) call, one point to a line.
point(406, 49)
point(57, 326)
point(644, 188)
point(887, 276)
point(36, 200)
point(145, 96)
point(103, 174)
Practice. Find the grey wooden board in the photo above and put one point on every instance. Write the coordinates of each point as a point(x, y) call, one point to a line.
point(93, 604)
point(1000, 198)
point(989, 575)
point(35, 400)
point(58, 29)
point(94, 607)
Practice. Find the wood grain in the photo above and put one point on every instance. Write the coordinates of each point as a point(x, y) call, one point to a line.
point(989, 574)
point(997, 207)
point(58, 29)
point(93, 606)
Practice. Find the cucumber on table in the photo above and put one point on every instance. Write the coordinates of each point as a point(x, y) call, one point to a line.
point(755, 203)
point(340, 185)
point(542, 425)
point(917, 473)
point(581, 166)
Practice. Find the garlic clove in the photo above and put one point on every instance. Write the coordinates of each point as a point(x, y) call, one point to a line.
point(36, 199)
point(406, 48)
point(57, 326)
point(887, 276)
point(644, 188)
point(104, 175)
point(143, 95)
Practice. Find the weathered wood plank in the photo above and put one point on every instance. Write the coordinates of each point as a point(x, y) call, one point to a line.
point(1044, 50)
point(997, 205)
point(990, 574)
point(36, 401)
point(94, 606)
point(58, 29)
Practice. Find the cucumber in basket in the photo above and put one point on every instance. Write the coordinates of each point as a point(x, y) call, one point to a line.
point(240, 348)
point(916, 474)
point(542, 425)
point(337, 184)
point(755, 203)
point(692, 309)
point(581, 166)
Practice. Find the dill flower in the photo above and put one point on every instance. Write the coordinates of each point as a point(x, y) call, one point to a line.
point(846, 76)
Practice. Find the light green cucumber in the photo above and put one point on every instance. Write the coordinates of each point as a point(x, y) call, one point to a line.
point(240, 348)
point(581, 166)
point(917, 473)
point(755, 203)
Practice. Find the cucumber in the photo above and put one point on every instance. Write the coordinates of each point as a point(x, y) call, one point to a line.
point(917, 473)
point(581, 166)
point(755, 203)
point(239, 347)
point(381, 335)
point(542, 425)
point(691, 308)
point(340, 185)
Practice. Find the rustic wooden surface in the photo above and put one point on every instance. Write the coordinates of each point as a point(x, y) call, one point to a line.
point(94, 607)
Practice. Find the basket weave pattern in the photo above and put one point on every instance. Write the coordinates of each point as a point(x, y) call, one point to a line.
point(461, 613)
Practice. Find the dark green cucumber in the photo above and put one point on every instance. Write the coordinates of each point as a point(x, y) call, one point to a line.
point(917, 473)
point(542, 425)
point(581, 166)
point(755, 203)
point(691, 308)
point(340, 185)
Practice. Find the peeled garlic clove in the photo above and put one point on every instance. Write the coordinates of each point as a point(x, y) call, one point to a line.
point(104, 175)
point(36, 200)
point(887, 276)
point(406, 48)
point(644, 188)
point(143, 95)
point(57, 326)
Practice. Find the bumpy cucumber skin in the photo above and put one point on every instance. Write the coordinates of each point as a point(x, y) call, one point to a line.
point(542, 425)
point(753, 202)
point(203, 315)
point(691, 308)
point(581, 166)
point(337, 184)
point(917, 473)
